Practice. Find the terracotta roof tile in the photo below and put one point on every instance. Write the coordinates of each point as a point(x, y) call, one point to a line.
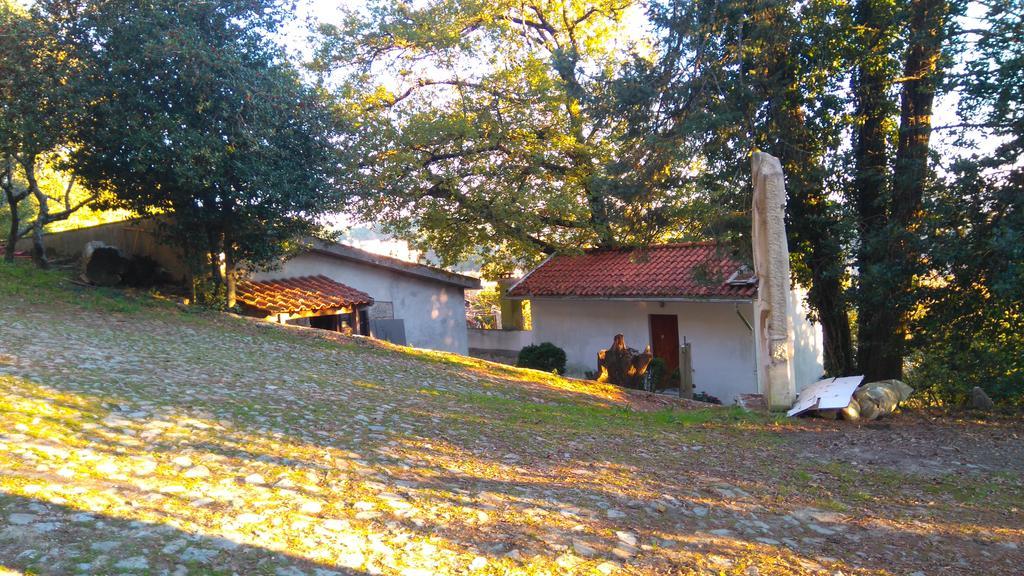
point(692, 270)
point(299, 294)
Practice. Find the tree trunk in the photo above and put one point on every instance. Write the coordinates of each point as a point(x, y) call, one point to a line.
point(230, 276)
point(810, 223)
point(826, 298)
point(43, 215)
point(879, 354)
point(13, 200)
point(889, 252)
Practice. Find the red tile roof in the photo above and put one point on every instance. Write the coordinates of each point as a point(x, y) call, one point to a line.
point(691, 270)
point(300, 294)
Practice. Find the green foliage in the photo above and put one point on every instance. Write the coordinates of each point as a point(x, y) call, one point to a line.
point(544, 356)
point(735, 76)
point(195, 113)
point(496, 139)
point(38, 111)
point(966, 331)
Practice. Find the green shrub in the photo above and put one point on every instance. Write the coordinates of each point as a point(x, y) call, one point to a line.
point(657, 371)
point(544, 356)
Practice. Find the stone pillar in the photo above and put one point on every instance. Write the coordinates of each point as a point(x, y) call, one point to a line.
point(771, 264)
point(511, 310)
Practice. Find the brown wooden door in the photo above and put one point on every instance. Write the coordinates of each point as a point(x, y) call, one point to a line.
point(665, 339)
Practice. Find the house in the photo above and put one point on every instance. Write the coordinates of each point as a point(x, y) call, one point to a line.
point(324, 285)
point(410, 303)
point(664, 296)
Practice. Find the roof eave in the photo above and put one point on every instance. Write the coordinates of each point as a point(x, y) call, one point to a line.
point(353, 254)
point(648, 298)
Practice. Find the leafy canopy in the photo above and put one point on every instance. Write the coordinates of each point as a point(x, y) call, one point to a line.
point(196, 114)
point(494, 130)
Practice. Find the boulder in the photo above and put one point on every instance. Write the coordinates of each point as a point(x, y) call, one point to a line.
point(102, 265)
point(877, 399)
point(980, 400)
point(852, 410)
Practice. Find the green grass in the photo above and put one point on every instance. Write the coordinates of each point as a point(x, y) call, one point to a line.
point(24, 280)
point(591, 418)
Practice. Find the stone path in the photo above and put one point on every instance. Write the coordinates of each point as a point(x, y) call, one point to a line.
point(162, 442)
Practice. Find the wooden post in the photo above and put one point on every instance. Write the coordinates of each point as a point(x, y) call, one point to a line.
point(685, 371)
point(356, 328)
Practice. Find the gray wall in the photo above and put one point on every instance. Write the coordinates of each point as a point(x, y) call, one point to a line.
point(434, 312)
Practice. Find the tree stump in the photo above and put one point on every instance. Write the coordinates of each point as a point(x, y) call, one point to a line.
point(621, 365)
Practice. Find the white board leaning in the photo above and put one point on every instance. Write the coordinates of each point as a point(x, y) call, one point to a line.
point(827, 394)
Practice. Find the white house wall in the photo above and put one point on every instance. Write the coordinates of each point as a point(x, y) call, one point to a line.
point(722, 345)
point(434, 312)
point(808, 351)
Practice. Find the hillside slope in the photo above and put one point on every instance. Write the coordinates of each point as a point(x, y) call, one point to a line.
point(139, 438)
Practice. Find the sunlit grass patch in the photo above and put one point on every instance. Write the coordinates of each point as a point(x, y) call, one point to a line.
point(589, 418)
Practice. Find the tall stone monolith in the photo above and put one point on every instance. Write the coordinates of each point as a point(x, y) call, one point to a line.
point(771, 263)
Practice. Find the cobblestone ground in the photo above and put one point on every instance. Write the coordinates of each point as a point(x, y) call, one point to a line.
point(136, 438)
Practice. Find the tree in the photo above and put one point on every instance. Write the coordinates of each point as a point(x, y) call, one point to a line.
point(497, 132)
point(196, 117)
point(888, 187)
point(735, 76)
point(966, 331)
point(37, 112)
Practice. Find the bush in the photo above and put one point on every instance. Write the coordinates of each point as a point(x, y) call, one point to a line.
point(544, 356)
point(657, 371)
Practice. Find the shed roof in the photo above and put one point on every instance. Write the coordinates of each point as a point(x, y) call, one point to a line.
point(303, 293)
point(695, 270)
point(351, 253)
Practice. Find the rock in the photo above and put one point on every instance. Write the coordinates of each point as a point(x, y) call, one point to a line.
point(198, 555)
point(42, 527)
point(21, 519)
point(583, 548)
point(980, 400)
point(626, 537)
point(311, 507)
point(183, 461)
point(877, 399)
point(478, 563)
point(255, 479)
point(613, 513)
point(197, 472)
point(608, 567)
point(752, 402)
point(102, 265)
point(624, 551)
point(104, 546)
point(133, 563)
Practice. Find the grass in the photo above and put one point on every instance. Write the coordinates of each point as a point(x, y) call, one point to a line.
point(590, 418)
point(24, 280)
point(431, 441)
